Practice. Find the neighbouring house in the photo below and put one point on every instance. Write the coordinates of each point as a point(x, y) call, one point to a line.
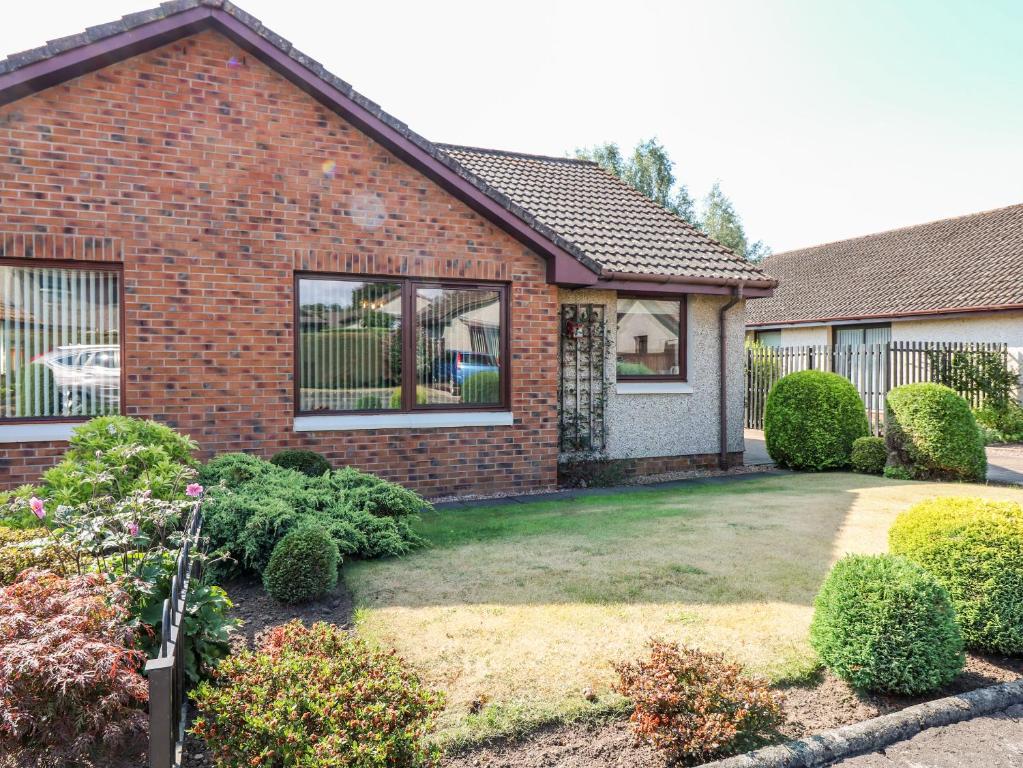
point(957, 280)
point(201, 225)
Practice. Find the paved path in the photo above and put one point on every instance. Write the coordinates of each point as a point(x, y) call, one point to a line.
point(990, 741)
point(1004, 463)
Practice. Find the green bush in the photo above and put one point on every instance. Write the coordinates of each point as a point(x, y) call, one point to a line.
point(812, 419)
point(974, 548)
point(869, 455)
point(251, 505)
point(308, 463)
point(303, 566)
point(483, 387)
point(370, 402)
point(632, 369)
point(1002, 424)
point(884, 624)
point(931, 433)
point(316, 697)
point(422, 397)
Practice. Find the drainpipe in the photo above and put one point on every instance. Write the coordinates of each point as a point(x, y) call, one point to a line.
point(723, 374)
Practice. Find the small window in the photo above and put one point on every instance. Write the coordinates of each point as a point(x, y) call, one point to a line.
point(59, 341)
point(399, 345)
point(650, 340)
point(768, 338)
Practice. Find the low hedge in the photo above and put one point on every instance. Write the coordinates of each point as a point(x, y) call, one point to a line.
point(884, 624)
point(303, 566)
point(974, 548)
point(308, 463)
point(812, 419)
point(931, 433)
point(483, 387)
point(869, 455)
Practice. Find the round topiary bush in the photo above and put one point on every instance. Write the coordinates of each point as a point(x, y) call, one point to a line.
point(869, 455)
point(303, 566)
point(974, 548)
point(483, 387)
point(931, 432)
point(884, 624)
point(309, 463)
point(812, 419)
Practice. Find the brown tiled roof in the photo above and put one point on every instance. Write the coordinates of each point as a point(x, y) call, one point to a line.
point(613, 224)
point(969, 263)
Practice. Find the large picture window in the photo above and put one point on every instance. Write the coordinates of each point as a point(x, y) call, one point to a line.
point(399, 345)
point(650, 342)
point(60, 341)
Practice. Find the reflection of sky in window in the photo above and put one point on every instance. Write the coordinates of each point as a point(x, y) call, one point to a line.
point(328, 292)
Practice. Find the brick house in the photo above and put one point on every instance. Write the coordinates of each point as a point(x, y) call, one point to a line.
point(199, 224)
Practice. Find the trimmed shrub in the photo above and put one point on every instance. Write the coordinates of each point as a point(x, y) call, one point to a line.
point(623, 368)
point(812, 419)
point(309, 463)
point(695, 706)
point(232, 469)
point(483, 387)
point(356, 706)
point(422, 397)
point(23, 548)
point(1003, 424)
point(303, 566)
point(932, 433)
point(869, 455)
point(974, 548)
point(70, 686)
point(884, 624)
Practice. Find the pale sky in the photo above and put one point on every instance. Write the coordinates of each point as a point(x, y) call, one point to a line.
point(821, 119)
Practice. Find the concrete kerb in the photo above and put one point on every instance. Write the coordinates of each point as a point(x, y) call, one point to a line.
point(878, 732)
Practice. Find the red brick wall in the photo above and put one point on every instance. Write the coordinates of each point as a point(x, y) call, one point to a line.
point(211, 174)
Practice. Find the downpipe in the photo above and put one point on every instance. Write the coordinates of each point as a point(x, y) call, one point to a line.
point(723, 375)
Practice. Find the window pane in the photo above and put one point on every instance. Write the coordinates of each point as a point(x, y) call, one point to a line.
point(59, 342)
point(647, 337)
point(769, 338)
point(458, 346)
point(349, 345)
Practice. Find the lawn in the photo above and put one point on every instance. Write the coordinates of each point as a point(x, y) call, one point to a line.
point(519, 608)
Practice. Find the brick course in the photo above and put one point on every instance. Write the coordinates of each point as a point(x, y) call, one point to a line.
point(209, 167)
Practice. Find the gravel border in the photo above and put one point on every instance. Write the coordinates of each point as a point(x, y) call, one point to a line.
point(878, 732)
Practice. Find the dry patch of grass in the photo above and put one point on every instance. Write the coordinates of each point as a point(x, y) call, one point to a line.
point(524, 606)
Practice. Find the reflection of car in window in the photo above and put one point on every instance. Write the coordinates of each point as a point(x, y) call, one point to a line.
point(87, 377)
point(454, 366)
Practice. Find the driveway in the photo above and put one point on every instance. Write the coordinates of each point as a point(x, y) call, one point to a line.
point(1004, 462)
point(990, 741)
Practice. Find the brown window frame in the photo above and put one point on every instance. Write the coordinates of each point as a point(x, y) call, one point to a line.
point(102, 266)
point(408, 343)
point(682, 341)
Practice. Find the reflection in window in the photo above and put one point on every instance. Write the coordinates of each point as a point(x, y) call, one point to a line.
point(60, 350)
point(349, 345)
point(458, 346)
point(648, 337)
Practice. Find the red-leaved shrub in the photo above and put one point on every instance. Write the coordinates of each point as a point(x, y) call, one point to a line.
point(316, 696)
point(70, 686)
point(696, 706)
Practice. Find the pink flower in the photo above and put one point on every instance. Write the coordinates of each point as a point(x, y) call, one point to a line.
point(37, 507)
point(146, 494)
point(133, 529)
point(194, 489)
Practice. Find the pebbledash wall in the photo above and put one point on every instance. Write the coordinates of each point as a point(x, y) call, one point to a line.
point(667, 426)
point(208, 168)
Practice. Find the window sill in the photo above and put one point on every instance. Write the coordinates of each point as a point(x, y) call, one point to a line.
point(446, 419)
point(654, 388)
point(37, 433)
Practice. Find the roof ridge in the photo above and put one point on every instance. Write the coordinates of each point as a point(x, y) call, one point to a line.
point(512, 153)
point(892, 231)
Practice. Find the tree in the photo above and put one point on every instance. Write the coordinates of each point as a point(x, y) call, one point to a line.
point(650, 170)
point(721, 221)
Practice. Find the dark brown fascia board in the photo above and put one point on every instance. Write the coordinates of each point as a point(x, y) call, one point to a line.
point(563, 267)
point(913, 315)
point(680, 287)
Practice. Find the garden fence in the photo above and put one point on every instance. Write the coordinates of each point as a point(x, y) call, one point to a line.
point(875, 369)
point(166, 672)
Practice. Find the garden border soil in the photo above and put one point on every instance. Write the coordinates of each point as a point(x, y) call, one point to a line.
point(879, 732)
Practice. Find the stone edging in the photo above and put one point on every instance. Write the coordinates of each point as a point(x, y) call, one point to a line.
point(878, 732)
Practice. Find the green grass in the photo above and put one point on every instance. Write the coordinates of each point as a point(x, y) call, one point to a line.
point(523, 606)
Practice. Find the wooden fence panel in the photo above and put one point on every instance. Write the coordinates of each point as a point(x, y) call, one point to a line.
point(874, 369)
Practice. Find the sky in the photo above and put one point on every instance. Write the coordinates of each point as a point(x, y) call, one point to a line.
point(821, 119)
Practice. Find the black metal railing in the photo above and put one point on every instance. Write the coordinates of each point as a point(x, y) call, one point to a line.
point(166, 672)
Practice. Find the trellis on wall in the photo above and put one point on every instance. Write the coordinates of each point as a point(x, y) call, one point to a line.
point(582, 388)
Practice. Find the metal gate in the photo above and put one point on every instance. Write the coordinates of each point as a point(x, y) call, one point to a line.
point(582, 386)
